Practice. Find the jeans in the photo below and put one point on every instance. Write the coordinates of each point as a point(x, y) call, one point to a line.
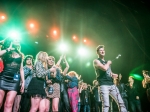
point(125, 102)
point(64, 102)
point(135, 104)
point(113, 91)
point(87, 108)
point(79, 106)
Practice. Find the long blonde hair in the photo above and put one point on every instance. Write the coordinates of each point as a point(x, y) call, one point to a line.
point(42, 56)
point(73, 74)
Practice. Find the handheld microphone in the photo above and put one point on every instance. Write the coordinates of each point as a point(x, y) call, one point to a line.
point(117, 57)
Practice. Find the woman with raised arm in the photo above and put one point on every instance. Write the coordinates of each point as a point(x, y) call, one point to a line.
point(36, 87)
point(72, 90)
point(53, 85)
point(64, 101)
point(54, 81)
point(10, 76)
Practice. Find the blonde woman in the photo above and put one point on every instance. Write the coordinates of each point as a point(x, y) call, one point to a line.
point(53, 87)
point(73, 90)
point(37, 85)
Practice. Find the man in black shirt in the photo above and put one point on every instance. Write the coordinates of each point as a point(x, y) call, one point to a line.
point(85, 97)
point(105, 79)
point(133, 96)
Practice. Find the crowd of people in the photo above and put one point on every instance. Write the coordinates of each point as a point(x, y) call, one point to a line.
point(40, 84)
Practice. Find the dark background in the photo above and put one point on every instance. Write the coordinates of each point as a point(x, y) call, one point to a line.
point(121, 25)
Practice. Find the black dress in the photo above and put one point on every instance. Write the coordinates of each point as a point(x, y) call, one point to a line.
point(37, 84)
point(10, 77)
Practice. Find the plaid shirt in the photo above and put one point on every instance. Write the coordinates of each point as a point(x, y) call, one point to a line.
point(39, 71)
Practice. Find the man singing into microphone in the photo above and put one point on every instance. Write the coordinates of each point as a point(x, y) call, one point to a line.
point(105, 79)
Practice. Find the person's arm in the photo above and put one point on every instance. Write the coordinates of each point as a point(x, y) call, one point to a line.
point(81, 88)
point(98, 64)
point(2, 41)
point(67, 67)
point(90, 89)
point(115, 76)
point(22, 78)
point(41, 72)
point(59, 61)
point(2, 52)
point(144, 83)
point(48, 81)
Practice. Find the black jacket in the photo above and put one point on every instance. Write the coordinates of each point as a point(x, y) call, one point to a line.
point(83, 95)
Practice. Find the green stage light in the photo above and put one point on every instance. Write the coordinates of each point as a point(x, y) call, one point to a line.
point(82, 51)
point(70, 60)
point(88, 64)
point(137, 76)
point(63, 48)
point(136, 73)
point(15, 35)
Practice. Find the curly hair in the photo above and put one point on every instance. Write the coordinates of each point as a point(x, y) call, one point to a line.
point(73, 74)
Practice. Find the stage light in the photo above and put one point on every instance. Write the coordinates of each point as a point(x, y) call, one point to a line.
point(74, 37)
point(82, 51)
point(3, 17)
point(32, 25)
point(55, 32)
point(63, 48)
point(36, 43)
point(137, 76)
point(15, 35)
point(70, 60)
point(84, 40)
point(88, 64)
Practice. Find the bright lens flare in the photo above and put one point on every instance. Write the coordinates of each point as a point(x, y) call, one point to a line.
point(15, 35)
point(63, 48)
point(55, 32)
point(70, 60)
point(2, 17)
point(84, 40)
point(32, 25)
point(88, 64)
point(82, 51)
point(74, 37)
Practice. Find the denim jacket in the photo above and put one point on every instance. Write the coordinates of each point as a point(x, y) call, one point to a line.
point(28, 76)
